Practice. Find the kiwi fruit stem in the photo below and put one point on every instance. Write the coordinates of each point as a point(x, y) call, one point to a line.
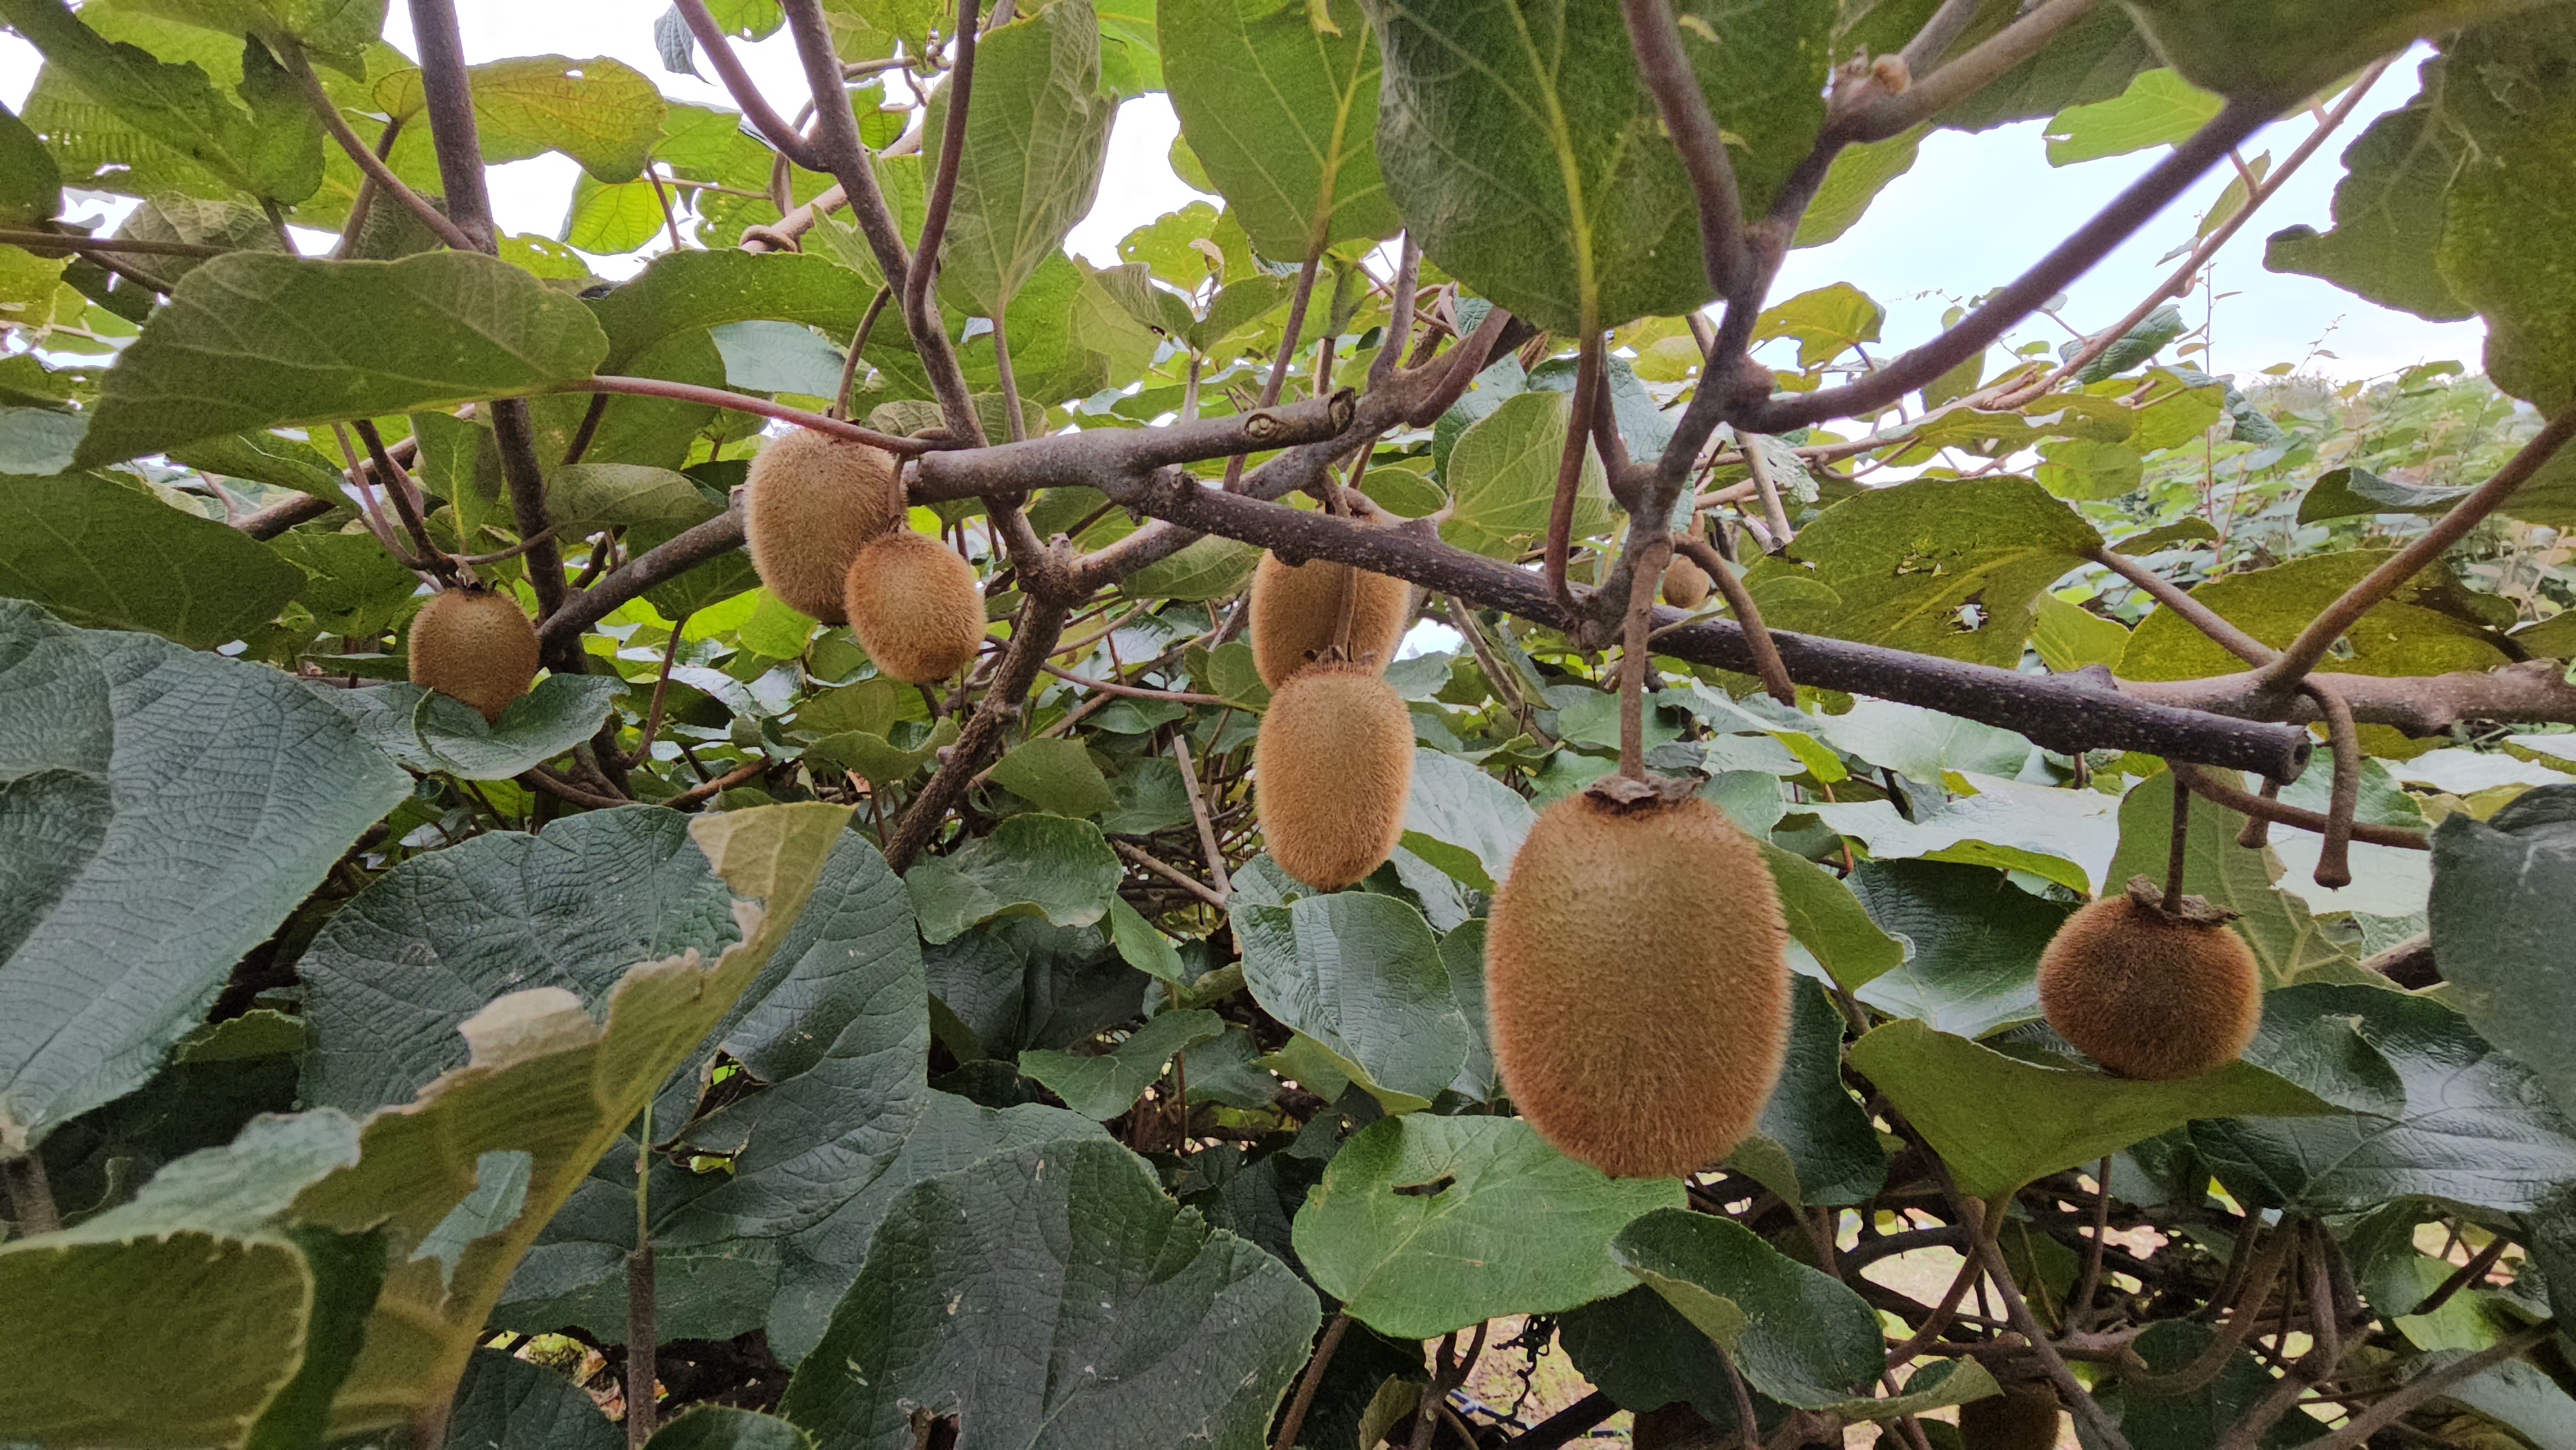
point(1646, 575)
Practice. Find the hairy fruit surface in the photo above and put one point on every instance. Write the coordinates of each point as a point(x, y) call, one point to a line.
point(1686, 584)
point(914, 606)
point(2147, 994)
point(1331, 770)
point(1296, 607)
point(811, 502)
point(1636, 983)
point(475, 645)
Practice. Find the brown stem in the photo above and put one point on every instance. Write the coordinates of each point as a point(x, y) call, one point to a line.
point(709, 789)
point(2248, 803)
point(2189, 610)
point(643, 750)
point(1748, 617)
point(2082, 1307)
point(447, 95)
point(1132, 692)
point(1887, 114)
point(744, 403)
point(527, 482)
point(1299, 299)
point(667, 561)
point(1169, 872)
point(2017, 1310)
point(1766, 488)
point(589, 429)
point(2304, 652)
point(371, 164)
point(2178, 851)
point(920, 308)
point(31, 1196)
point(277, 518)
point(2358, 1430)
point(1569, 471)
point(1633, 658)
point(1295, 1419)
point(1657, 42)
point(40, 242)
point(1399, 326)
point(398, 487)
point(1039, 625)
point(2334, 857)
point(2262, 1273)
point(858, 340)
point(2257, 831)
point(2469, 1273)
point(1208, 848)
point(1014, 426)
point(783, 138)
point(1565, 1426)
point(1460, 367)
point(642, 1343)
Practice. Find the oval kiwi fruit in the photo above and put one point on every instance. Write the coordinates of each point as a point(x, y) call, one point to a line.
point(810, 503)
point(2023, 1417)
point(2148, 994)
point(1636, 983)
point(475, 645)
point(1331, 769)
point(1296, 607)
point(1686, 584)
point(914, 606)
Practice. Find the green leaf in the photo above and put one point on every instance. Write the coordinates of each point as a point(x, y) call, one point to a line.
point(2065, 835)
point(2001, 1122)
point(602, 113)
point(1105, 1086)
point(1828, 920)
point(507, 1403)
point(428, 731)
point(1976, 941)
point(195, 1273)
point(1031, 865)
point(687, 291)
point(1524, 151)
point(2068, 636)
point(1425, 1224)
point(1360, 974)
point(2279, 51)
point(2342, 493)
point(547, 1083)
point(2287, 940)
point(1937, 566)
point(252, 340)
point(1462, 820)
point(132, 894)
point(1037, 132)
point(587, 497)
point(1814, 1144)
point(1798, 1334)
point(2158, 109)
point(1056, 774)
point(1144, 948)
point(722, 1427)
point(1858, 174)
point(98, 551)
point(2388, 213)
point(2509, 230)
point(1214, 567)
point(265, 457)
point(2437, 1112)
point(428, 943)
point(1502, 477)
point(2203, 1417)
point(2088, 471)
point(31, 185)
point(1827, 322)
point(1282, 116)
point(1057, 1297)
point(2500, 915)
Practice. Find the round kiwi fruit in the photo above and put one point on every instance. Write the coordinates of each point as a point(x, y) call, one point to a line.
point(1296, 607)
point(1636, 982)
point(810, 503)
point(1331, 769)
point(2023, 1417)
point(1686, 584)
point(475, 645)
point(914, 606)
point(2150, 994)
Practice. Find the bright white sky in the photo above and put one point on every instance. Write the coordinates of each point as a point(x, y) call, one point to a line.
point(1973, 212)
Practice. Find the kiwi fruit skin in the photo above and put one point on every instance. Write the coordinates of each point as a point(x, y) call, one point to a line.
point(1296, 607)
point(1332, 767)
point(475, 645)
point(914, 606)
point(2023, 1417)
point(2149, 995)
point(810, 503)
point(1637, 984)
point(1686, 584)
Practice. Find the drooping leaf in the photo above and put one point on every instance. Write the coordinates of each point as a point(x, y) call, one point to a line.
point(252, 340)
point(2067, 836)
point(131, 899)
point(97, 551)
point(2509, 228)
point(2342, 493)
point(31, 185)
point(686, 291)
point(1830, 922)
point(1057, 1297)
point(1813, 1144)
point(2503, 889)
point(1102, 1087)
point(1462, 820)
point(1037, 131)
point(1976, 941)
point(602, 113)
point(2157, 109)
point(507, 1403)
point(1423, 1224)
point(429, 731)
point(1502, 477)
point(1361, 975)
point(1047, 866)
point(2388, 213)
point(1057, 774)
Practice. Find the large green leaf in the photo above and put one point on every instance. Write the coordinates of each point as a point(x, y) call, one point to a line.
point(1813, 1144)
point(1057, 1298)
point(195, 1276)
point(135, 772)
point(2277, 51)
point(722, 1427)
point(1361, 975)
point(2062, 834)
point(1037, 131)
point(547, 1091)
point(1425, 1224)
point(1282, 115)
point(1828, 920)
point(1798, 1334)
point(1047, 866)
point(1108, 1084)
point(429, 731)
point(251, 340)
point(508, 1403)
point(687, 291)
point(1938, 566)
point(602, 113)
point(2001, 1122)
point(1976, 941)
point(99, 551)
point(1502, 477)
point(31, 185)
point(2158, 109)
point(2503, 911)
point(2388, 213)
point(1462, 820)
point(2509, 235)
point(1528, 157)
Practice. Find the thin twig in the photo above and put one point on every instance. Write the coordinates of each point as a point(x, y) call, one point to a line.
point(1291, 332)
point(40, 241)
point(31, 1196)
point(1132, 692)
point(1748, 617)
point(2361, 1427)
point(1399, 326)
point(2082, 1308)
point(1208, 848)
point(2248, 803)
point(2178, 847)
point(859, 339)
point(1034, 632)
point(1169, 872)
point(783, 138)
point(1295, 1420)
point(1657, 42)
point(1887, 114)
point(2343, 736)
point(901, 447)
point(1766, 488)
point(375, 168)
point(2469, 1273)
point(2189, 610)
point(1559, 545)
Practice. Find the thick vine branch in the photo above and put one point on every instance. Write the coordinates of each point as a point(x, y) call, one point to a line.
point(1127, 455)
point(666, 561)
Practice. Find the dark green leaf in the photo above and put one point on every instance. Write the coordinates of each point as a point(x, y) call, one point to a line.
point(1057, 775)
point(1036, 135)
point(2388, 212)
point(31, 186)
point(722, 1427)
point(428, 731)
point(1361, 975)
point(2342, 493)
point(1814, 1145)
point(99, 551)
point(1107, 1085)
point(1042, 865)
point(2278, 51)
point(1976, 941)
point(507, 1403)
point(2503, 893)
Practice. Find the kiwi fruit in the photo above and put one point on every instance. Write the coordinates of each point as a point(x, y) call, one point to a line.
point(1637, 983)
point(1296, 608)
point(1686, 584)
point(810, 503)
point(2151, 994)
point(475, 645)
point(1331, 769)
point(914, 606)
point(2023, 1417)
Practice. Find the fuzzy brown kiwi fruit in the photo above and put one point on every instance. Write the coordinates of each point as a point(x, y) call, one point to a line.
point(2023, 1417)
point(1636, 983)
point(475, 645)
point(914, 606)
point(1295, 608)
point(810, 503)
point(2147, 994)
point(1686, 584)
point(1331, 769)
